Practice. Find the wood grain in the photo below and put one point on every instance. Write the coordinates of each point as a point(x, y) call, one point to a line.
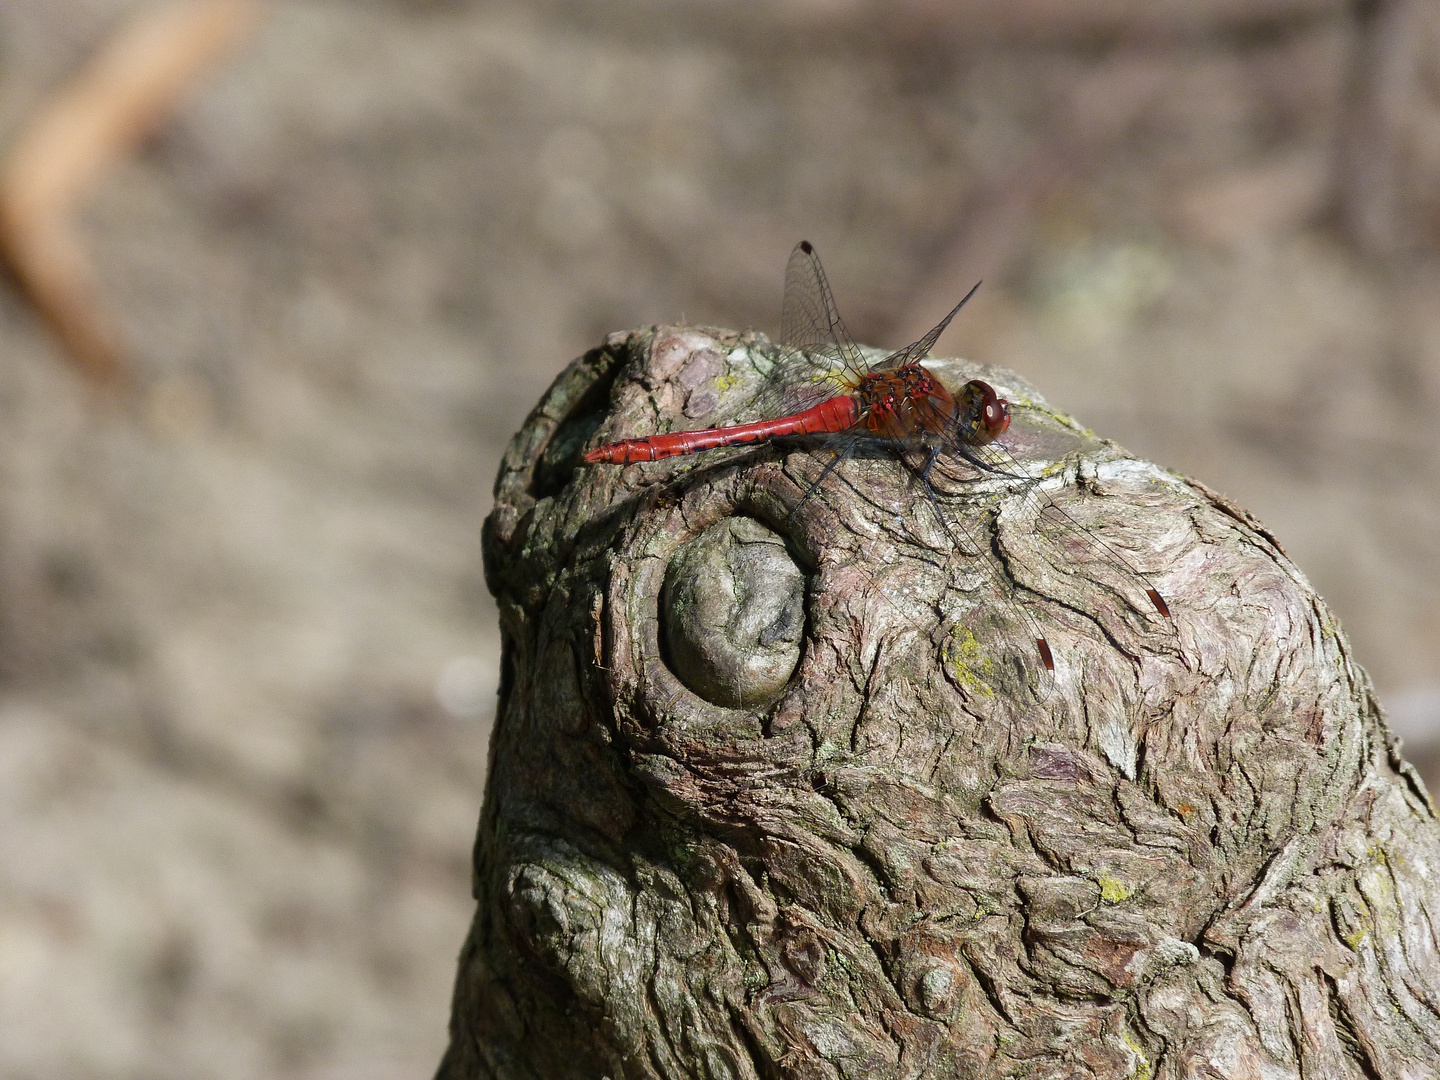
point(1196, 853)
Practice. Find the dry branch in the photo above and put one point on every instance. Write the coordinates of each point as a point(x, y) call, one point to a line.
point(1197, 854)
point(91, 124)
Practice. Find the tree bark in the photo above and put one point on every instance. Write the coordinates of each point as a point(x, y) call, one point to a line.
point(786, 792)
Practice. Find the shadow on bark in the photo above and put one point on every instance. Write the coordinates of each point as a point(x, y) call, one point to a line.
point(782, 792)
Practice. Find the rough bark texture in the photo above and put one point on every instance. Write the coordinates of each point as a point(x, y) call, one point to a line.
point(781, 794)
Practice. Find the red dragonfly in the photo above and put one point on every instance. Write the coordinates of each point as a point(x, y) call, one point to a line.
point(895, 403)
point(896, 400)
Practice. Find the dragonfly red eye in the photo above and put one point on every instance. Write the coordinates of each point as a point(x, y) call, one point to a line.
point(997, 416)
point(992, 410)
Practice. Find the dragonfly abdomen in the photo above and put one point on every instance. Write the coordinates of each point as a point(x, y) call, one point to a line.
point(832, 415)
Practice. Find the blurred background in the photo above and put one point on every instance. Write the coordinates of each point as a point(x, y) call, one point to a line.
point(247, 658)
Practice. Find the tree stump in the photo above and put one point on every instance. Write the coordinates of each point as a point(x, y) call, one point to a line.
point(781, 792)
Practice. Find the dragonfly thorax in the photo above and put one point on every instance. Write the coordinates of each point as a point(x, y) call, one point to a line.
point(907, 403)
point(910, 405)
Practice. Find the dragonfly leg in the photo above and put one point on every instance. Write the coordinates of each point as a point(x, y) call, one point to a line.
point(924, 477)
point(930, 462)
point(840, 456)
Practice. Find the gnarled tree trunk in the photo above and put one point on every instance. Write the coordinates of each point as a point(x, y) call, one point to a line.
point(781, 792)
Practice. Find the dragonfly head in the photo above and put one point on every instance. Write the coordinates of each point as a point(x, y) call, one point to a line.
point(984, 415)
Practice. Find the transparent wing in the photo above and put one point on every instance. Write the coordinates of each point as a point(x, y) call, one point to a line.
point(1072, 533)
point(810, 323)
point(819, 359)
point(917, 351)
point(984, 647)
point(1035, 665)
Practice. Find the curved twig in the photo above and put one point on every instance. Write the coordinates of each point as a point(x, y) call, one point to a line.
point(92, 122)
